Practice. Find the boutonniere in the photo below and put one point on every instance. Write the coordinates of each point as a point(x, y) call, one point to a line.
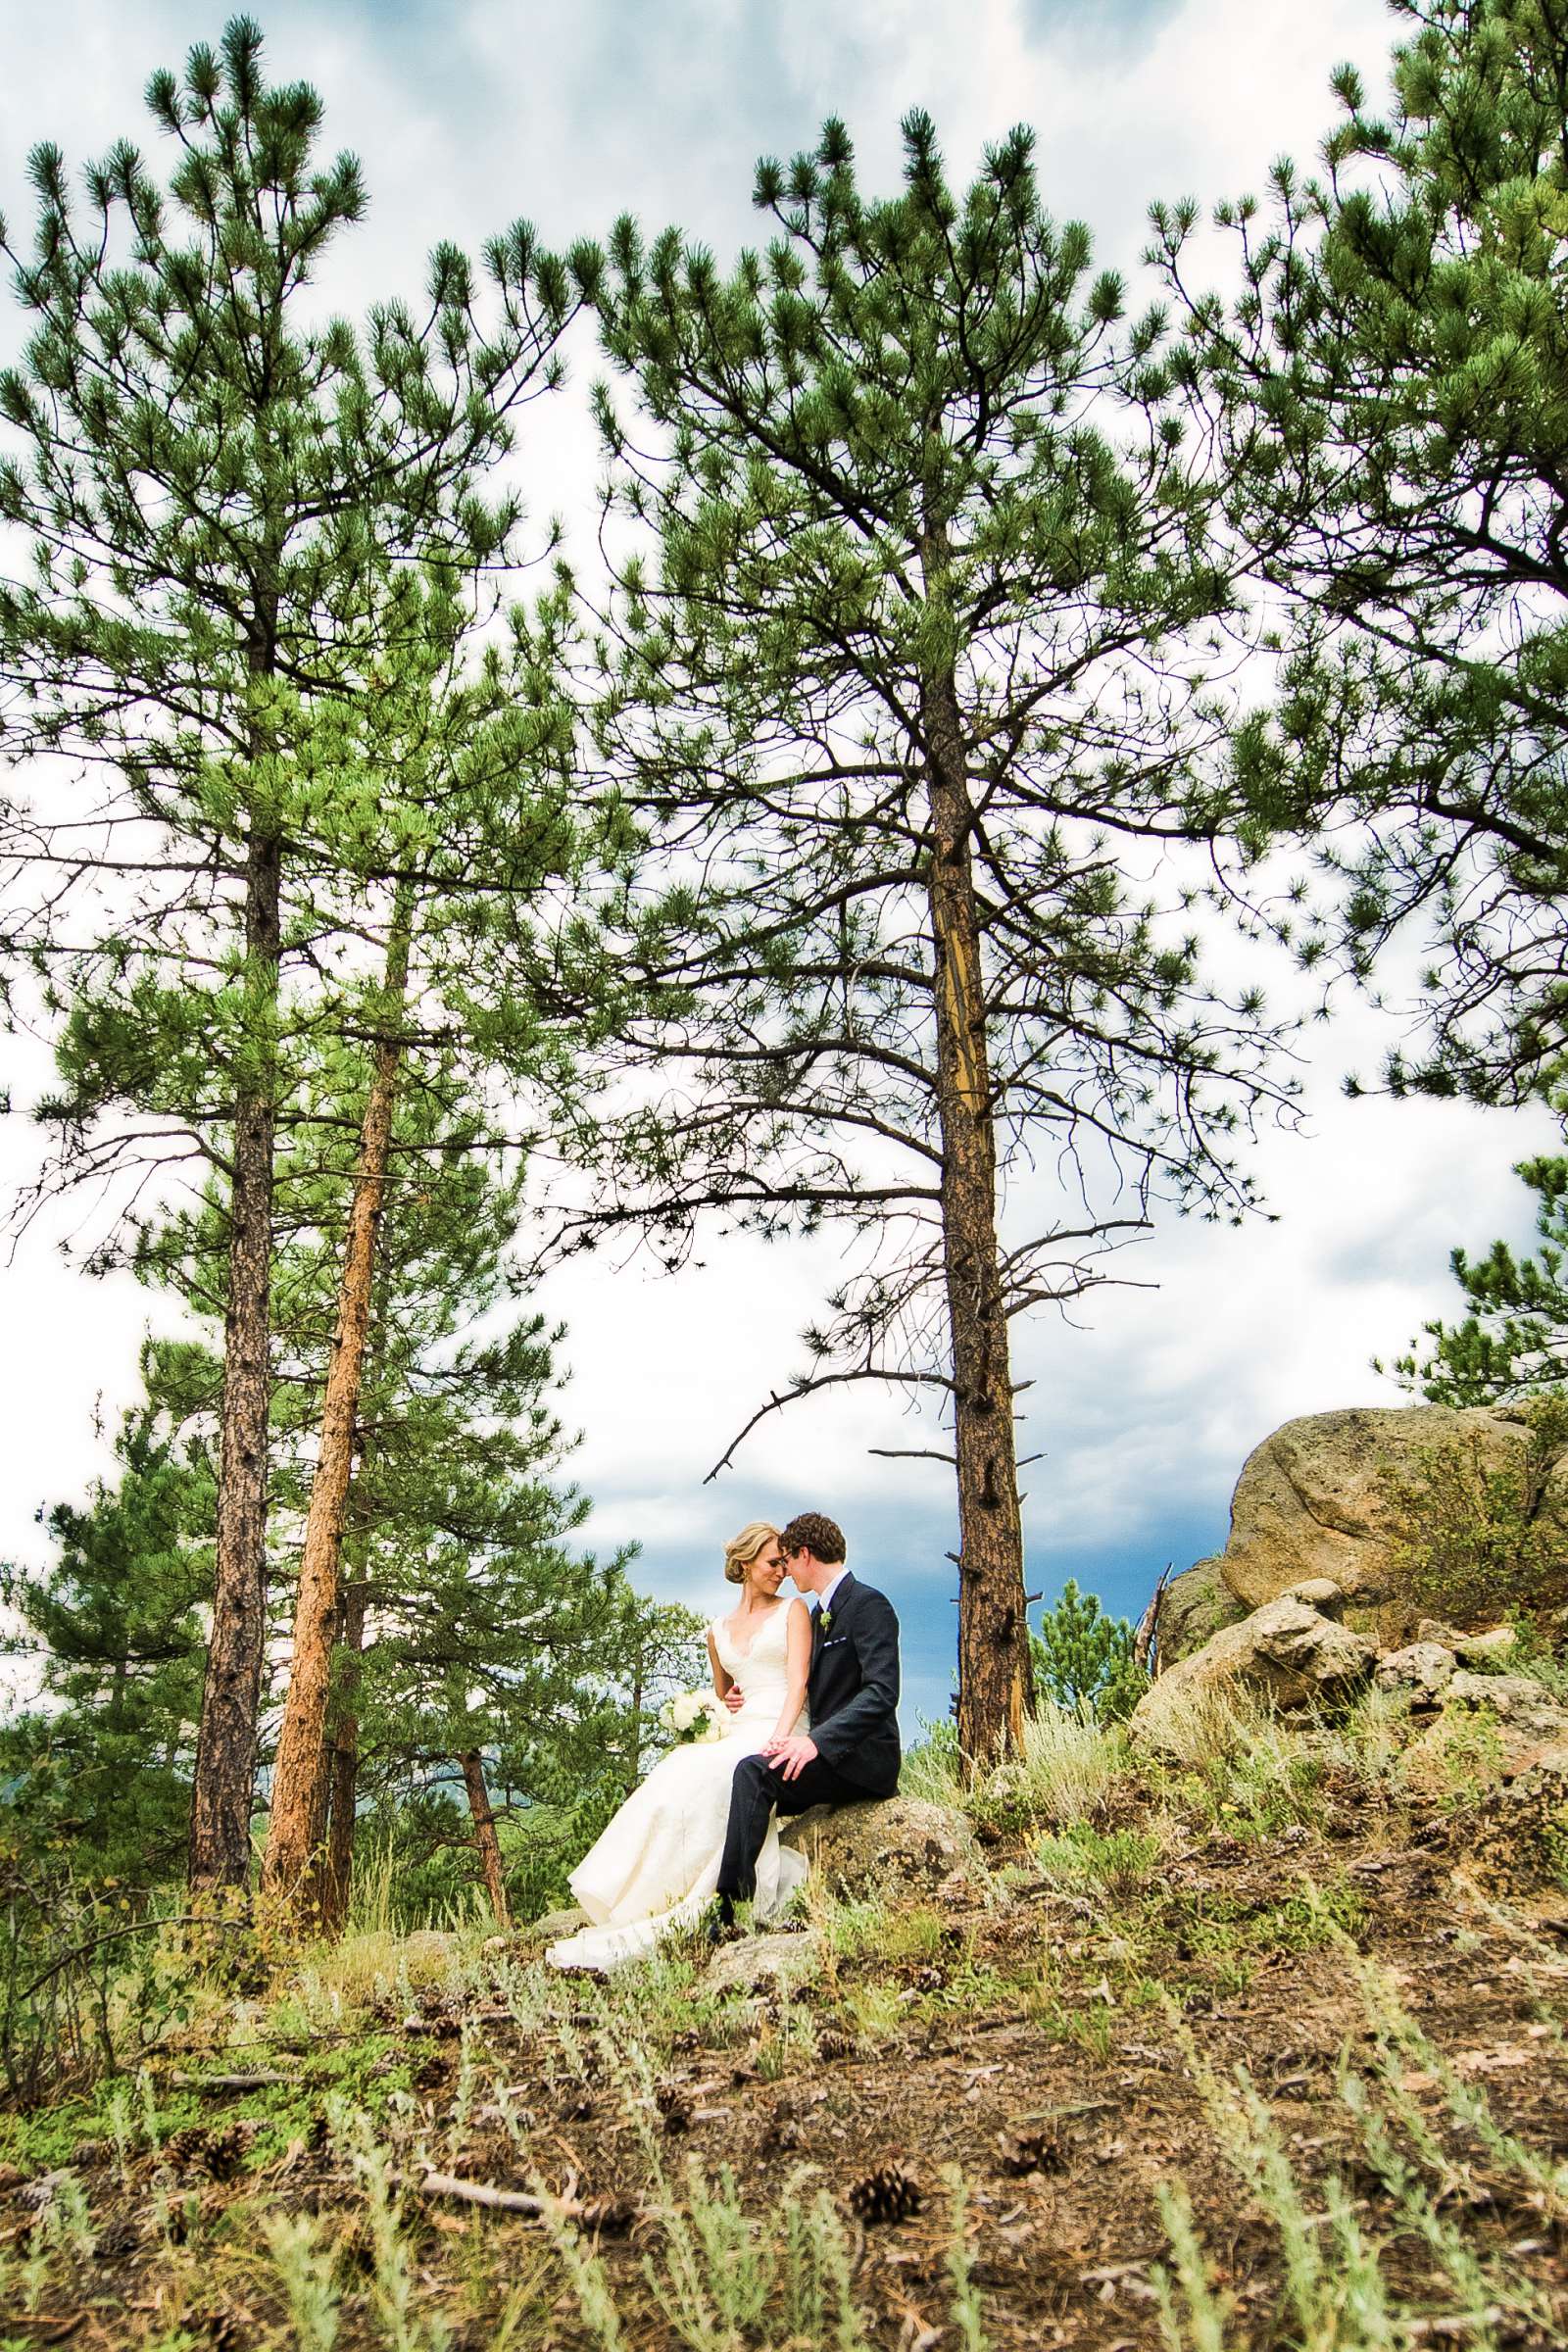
point(824, 1618)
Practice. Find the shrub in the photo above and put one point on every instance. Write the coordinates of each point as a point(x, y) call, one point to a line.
point(1069, 1768)
point(1474, 1542)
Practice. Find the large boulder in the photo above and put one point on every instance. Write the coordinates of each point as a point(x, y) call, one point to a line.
point(1292, 1653)
point(1315, 1500)
point(895, 1843)
point(1192, 1609)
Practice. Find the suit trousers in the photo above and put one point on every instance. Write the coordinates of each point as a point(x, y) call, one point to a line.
point(758, 1790)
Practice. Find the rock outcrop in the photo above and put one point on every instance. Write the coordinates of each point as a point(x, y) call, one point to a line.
point(897, 1844)
point(1313, 1500)
point(1194, 1607)
point(555, 1925)
point(1460, 1719)
point(1293, 1653)
point(1316, 1499)
point(1424, 1669)
point(764, 1963)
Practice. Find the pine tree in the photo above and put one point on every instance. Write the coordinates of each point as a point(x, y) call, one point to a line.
point(1513, 1342)
point(215, 476)
point(116, 1627)
point(477, 1000)
point(917, 669)
point(1389, 411)
point(470, 1623)
point(484, 1634)
point(1085, 1660)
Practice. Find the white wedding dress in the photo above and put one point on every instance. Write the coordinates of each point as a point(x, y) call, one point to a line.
point(654, 1869)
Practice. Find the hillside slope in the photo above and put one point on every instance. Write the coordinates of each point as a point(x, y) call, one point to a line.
point(1264, 2051)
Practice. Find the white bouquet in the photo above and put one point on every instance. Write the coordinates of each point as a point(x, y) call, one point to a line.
point(694, 1715)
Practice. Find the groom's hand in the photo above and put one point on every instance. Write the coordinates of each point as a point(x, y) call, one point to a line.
point(791, 1756)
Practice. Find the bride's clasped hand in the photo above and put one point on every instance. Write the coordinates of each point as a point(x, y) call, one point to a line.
point(701, 1829)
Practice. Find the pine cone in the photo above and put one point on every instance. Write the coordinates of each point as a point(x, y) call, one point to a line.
point(1020, 2152)
point(781, 2135)
point(432, 2073)
point(185, 2147)
point(834, 2044)
point(887, 2194)
point(676, 2112)
point(225, 2150)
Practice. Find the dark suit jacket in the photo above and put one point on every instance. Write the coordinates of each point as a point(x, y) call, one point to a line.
point(852, 1689)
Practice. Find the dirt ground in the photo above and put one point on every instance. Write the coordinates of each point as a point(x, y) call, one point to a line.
point(1047, 2047)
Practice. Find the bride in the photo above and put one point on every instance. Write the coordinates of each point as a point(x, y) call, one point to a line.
point(654, 1870)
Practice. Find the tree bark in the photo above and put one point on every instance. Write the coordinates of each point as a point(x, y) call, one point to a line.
point(226, 1742)
point(484, 1834)
point(343, 1768)
point(297, 1786)
point(635, 1771)
point(994, 1670)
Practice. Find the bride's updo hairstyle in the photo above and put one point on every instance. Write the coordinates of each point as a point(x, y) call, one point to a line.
point(742, 1550)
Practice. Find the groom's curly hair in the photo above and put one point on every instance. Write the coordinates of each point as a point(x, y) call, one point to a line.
point(815, 1532)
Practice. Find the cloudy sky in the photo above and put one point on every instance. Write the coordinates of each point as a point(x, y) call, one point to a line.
point(466, 116)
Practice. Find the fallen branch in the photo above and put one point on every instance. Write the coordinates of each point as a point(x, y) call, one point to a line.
point(613, 2214)
point(258, 2082)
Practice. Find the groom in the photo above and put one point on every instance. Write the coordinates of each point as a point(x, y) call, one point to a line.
point(851, 1751)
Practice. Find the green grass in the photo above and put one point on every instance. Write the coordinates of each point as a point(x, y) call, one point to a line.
point(369, 2071)
point(1207, 1922)
point(1120, 1863)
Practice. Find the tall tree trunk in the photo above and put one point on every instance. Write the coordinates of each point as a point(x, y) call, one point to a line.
point(484, 1834)
point(994, 1673)
point(635, 1769)
point(343, 1768)
point(296, 1826)
point(225, 1741)
point(314, 1898)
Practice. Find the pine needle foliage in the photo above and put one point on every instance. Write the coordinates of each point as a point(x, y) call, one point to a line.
point(1513, 1343)
point(1389, 405)
point(1084, 1658)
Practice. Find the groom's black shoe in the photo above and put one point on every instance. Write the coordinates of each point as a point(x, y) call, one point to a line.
point(718, 1920)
